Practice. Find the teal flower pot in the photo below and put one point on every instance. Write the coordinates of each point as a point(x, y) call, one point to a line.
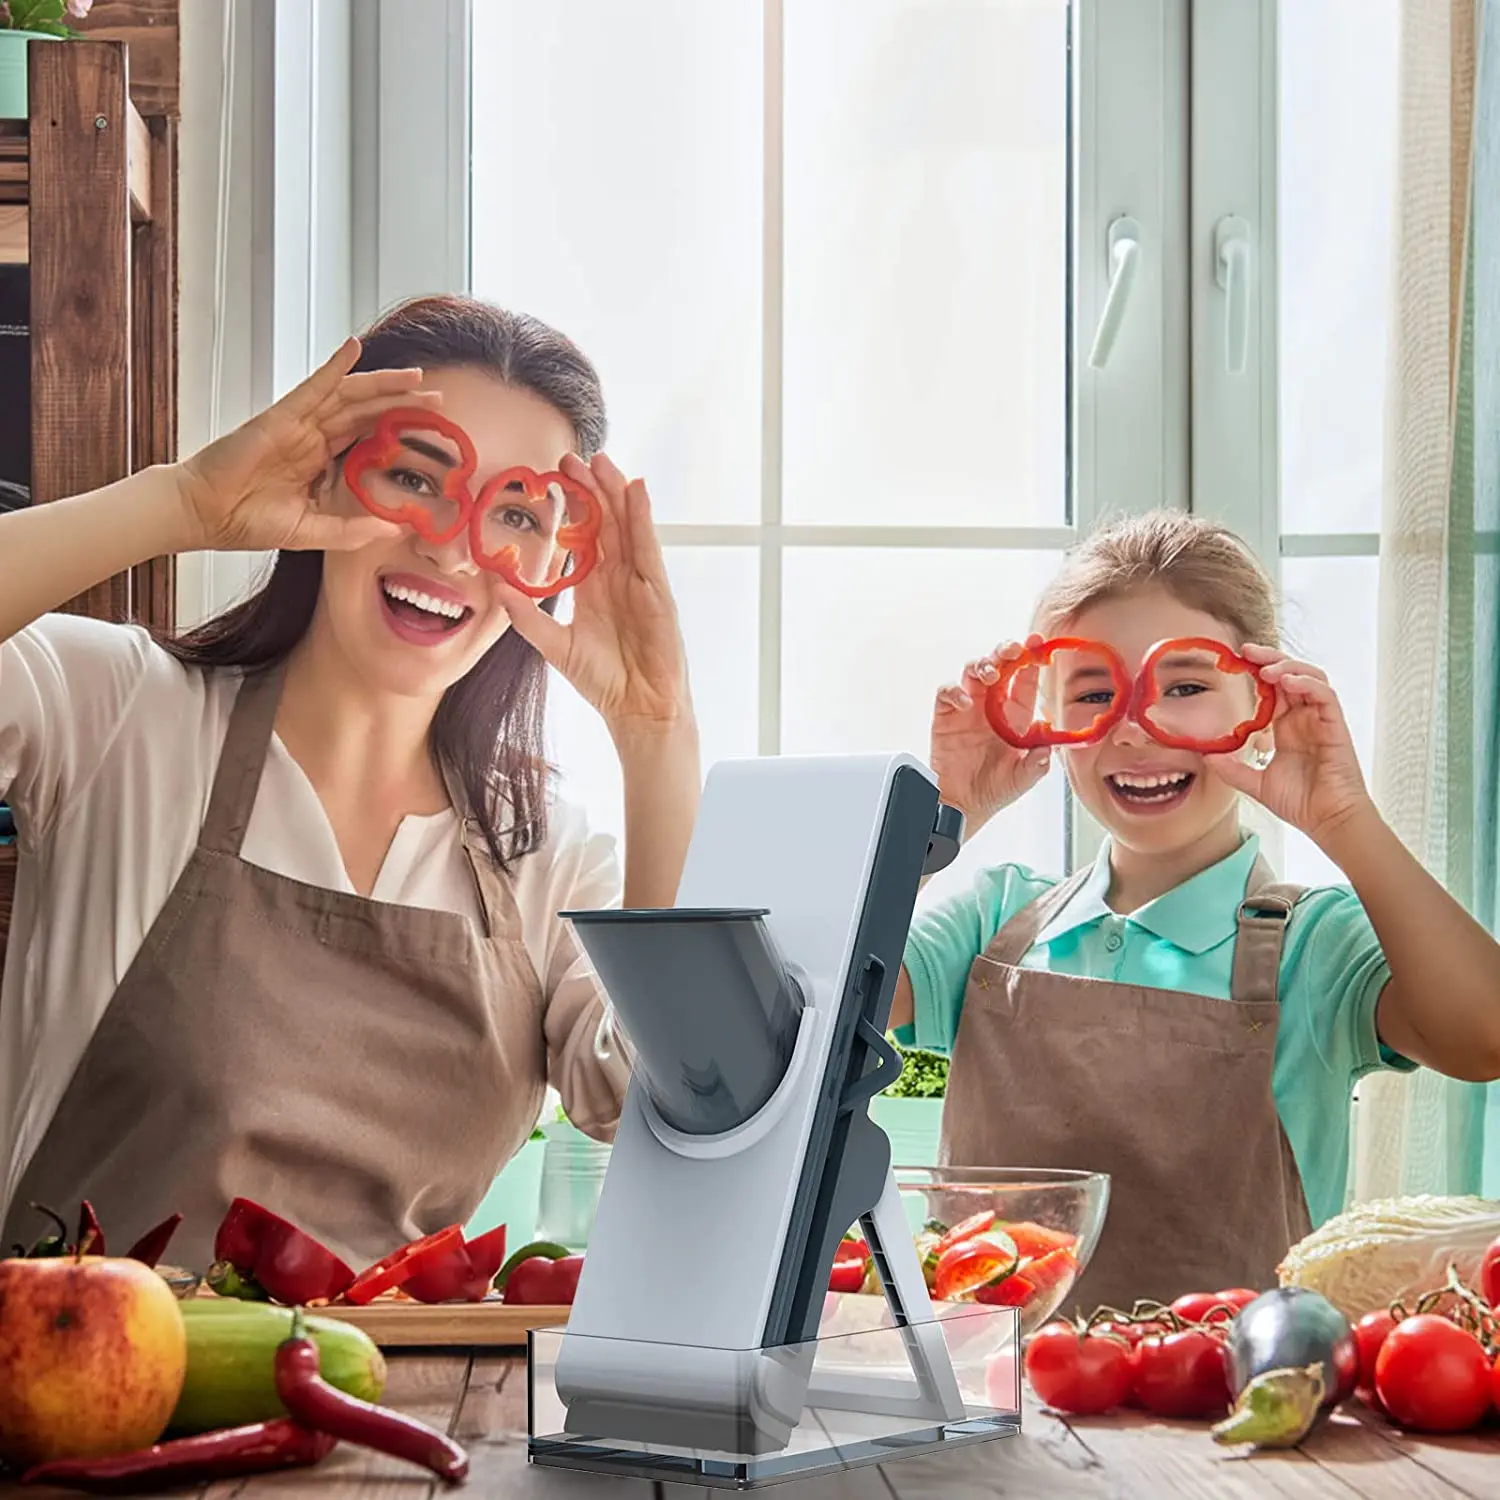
point(512, 1198)
point(13, 51)
point(913, 1127)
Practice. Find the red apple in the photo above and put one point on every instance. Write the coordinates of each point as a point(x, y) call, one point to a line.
point(93, 1353)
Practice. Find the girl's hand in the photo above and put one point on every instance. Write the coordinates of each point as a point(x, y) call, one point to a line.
point(258, 488)
point(1313, 781)
point(977, 772)
point(623, 649)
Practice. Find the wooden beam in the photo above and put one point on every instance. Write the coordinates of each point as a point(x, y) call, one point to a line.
point(80, 283)
point(137, 163)
point(152, 31)
point(15, 239)
point(153, 587)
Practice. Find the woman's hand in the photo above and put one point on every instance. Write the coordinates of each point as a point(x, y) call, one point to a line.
point(258, 488)
point(623, 649)
point(1313, 781)
point(977, 772)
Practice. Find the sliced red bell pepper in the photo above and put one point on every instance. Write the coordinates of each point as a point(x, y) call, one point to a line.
point(402, 1264)
point(1147, 693)
point(267, 1253)
point(1041, 732)
point(152, 1245)
point(464, 1274)
point(384, 444)
point(581, 538)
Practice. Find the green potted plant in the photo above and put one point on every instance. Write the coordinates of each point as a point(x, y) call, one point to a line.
point(910, 1111)
point(21, 23)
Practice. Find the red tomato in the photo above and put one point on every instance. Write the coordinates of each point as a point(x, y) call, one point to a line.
point(1085, 1375)
point(1182, 1375)
point(1035, 1241)
point(1052, 1270)
point(1193, 1307)
point(1495, 1382)
point(846, 1276)
point(1370, 1333)
point(965, 1229)
point(1433, 1375)
point(1237, 1297)
point(971, 1264)
point(1013, 1291)
point(1489, 1275)
point(1196, 1307)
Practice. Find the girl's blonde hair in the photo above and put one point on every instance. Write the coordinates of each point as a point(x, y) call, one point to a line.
point(1203, 565)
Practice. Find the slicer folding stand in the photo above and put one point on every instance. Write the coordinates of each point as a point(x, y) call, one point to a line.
point(756, 1010)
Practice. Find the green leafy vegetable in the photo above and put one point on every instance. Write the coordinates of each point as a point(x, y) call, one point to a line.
point(924, 1075)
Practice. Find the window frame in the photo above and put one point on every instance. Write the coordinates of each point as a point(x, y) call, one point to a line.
point(1173, 112)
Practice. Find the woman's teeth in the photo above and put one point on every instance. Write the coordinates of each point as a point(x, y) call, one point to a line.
point(1150, 788)
point(399, 593)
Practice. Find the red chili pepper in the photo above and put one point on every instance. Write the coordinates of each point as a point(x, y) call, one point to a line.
point(400, 1265)
point(1148, 692)
point(384, 444)
point(544, 1281)
point(1042, 732)
point(578, 537)
point(152, 1245)
point(276, 1257)
point(312, 1401)
point(463, 1274)
point(90, 1231)
point(228, 1453)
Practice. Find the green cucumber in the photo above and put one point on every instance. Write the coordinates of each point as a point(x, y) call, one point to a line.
point(231, 1354)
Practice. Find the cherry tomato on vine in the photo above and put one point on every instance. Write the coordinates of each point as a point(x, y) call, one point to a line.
point(1082, 1374)
point(1489, 1275)
point(1432, 1375)
point(1370, 1333)
point(1182, 1375)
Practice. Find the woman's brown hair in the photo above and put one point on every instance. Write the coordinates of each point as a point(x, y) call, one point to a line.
point(488, 729)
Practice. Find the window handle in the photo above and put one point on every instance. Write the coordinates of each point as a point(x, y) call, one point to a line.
point(1124, 245)
point(1232, 272)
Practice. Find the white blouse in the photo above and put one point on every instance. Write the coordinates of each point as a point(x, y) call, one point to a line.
point(108, 748)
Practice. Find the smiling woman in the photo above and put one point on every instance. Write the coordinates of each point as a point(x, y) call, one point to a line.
point(289, 883)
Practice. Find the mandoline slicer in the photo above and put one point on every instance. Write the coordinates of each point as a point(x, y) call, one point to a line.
point(756, 1010)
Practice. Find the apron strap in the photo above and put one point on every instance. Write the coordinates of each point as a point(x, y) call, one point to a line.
point(1263, 918)
point(1014, 940)
point(497, 903)
point(241, 760)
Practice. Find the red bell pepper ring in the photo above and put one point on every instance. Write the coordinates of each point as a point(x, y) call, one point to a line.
point(578, 537)
point(152, 1245)
point(464, 1274)
point(1041, 732)
point(1148, 693)
point(276, 1257)
point(402, 1264)
point(384, 444)
point(544, 1281)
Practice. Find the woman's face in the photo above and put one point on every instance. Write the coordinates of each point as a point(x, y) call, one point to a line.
point(411, 616)
point(1150, 797)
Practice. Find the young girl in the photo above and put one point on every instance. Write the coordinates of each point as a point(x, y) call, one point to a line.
point(1171, 1015)
point(286, 923)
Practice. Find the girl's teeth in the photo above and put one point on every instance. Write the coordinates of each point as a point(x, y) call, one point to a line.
point(443, 607)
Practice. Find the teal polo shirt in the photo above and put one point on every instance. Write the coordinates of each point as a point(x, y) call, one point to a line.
point(1332, 973)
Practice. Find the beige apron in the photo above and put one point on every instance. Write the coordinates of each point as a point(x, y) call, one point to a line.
point(1168, 1092)
point(362, 1068)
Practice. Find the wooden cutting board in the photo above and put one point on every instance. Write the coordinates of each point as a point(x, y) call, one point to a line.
point(449, 1325)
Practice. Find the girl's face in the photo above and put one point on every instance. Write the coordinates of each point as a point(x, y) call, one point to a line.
point(411, 616)
point(1147, 796)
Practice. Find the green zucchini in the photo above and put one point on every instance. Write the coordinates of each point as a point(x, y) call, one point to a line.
point(231, 1354)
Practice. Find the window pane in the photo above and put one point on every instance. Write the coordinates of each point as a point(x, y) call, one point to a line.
point(617, 178)
point(717, 592)
point(925, 330)
point(1331, 619)
point(1336, 178)
point(868, 638)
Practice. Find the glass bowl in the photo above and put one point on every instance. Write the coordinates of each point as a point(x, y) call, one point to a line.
point(1043, 1210)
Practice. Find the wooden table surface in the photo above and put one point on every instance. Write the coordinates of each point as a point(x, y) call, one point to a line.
point(482, 1402)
